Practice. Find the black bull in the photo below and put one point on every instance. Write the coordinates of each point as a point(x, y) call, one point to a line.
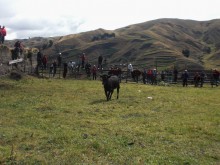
point(135, 74)
point(110, 83)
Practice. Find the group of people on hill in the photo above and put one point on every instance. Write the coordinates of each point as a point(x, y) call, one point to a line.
point(3, 33)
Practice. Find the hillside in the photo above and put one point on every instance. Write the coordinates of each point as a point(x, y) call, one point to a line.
point(157, 43)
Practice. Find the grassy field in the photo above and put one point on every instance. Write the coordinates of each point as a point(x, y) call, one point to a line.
point(56, 121)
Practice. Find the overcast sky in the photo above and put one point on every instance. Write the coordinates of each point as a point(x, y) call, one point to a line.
point(45, 18)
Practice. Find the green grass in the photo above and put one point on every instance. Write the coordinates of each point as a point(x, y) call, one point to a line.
point(56, 121)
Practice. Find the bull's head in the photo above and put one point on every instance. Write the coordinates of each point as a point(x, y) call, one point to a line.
point(104, 78)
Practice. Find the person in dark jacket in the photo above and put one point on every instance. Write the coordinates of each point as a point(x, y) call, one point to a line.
point(202, 78)
point(175, 75)
point(144, 76)
point(39, 58)
point(197, 79)
point(215, 77)
point(162, 76)
point(185, 77)
point(59, 60)
point(65, 65)
point(100, 59)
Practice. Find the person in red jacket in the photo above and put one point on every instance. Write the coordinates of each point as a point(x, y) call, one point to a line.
point(0, 34)
point(94, 72)
point(44, 61)
point(3, 34)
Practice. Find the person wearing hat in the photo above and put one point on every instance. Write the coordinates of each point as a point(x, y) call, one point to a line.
point(59, 59)
point(185, 77)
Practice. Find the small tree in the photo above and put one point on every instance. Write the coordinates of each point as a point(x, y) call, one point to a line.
point(186, 52)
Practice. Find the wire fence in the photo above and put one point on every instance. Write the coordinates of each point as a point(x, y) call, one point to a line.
point(166, 76)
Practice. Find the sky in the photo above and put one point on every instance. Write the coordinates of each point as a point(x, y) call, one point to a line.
point(49, 18)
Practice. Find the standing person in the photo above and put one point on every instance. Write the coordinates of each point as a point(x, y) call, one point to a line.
point(54, 68)
point(130, 68)
point(59, 60)
point(162, 76)
point(185, 77)
point(83, 58)
point(65, 65)
point(0, 34)
point(29, 56)
point(44, 61)
point(100, 62)
point(39, 58)
point(18, 48)
point(18, 44)
point(175, 75)
point(51, 70)
point(169, 75)
point(88, 69)
point(154, 77)
point(149, 76)
point(144, 76)
point(202, 78)
point(215, 77)
point(3, 34)
point(39, 61)
point(196, 79)
point(94, 72)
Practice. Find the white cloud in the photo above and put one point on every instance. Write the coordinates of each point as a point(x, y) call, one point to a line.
point(29, 18)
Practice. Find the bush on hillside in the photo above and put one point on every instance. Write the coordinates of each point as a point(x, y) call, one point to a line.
point(103, 36)
point(186, 52)
point(207, 50)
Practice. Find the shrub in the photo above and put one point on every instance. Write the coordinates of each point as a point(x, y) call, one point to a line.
point(186, 52)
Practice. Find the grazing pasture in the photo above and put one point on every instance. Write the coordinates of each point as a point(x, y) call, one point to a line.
point(63, 121)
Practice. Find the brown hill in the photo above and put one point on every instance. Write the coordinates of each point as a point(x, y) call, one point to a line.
point(158, 43)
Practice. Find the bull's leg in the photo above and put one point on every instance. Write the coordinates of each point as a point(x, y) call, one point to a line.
point(117, 92)
point(106, 94)
point(110, 94)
